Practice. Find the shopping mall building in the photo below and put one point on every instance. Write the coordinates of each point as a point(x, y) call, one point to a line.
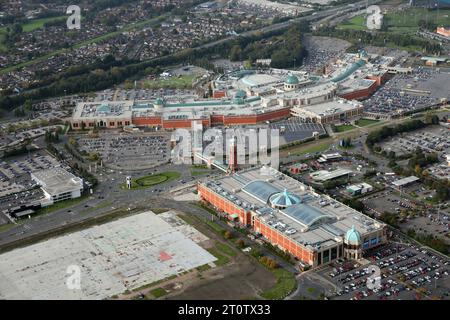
point(314, 228)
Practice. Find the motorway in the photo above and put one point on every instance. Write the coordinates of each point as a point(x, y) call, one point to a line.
point(282, 25)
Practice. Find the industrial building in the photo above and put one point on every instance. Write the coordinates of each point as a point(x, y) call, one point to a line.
point(405, 181)
point(324, 175)
point(58, 185)
point(330, 157)
point(314, 228)
point(360, 188)
point(298, 168)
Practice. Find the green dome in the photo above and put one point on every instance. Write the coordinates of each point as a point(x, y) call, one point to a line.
point(159, 102)
point(291, 79)
point(284, 199)
point(353, 237)
point(240, 94)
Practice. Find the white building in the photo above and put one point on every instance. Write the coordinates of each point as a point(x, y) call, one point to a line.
point(58, 184)
point(360, 188)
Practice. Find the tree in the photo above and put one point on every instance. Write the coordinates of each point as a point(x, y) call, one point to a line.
point(28, 106)
point(235, 53)
point(272, 264)
point(227, 235)
point(240, 243)
point(418, 169)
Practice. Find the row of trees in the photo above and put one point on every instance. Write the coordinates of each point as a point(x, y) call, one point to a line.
point(285, 50)
point(269, 263)
point(389, 131)
point(429, 240)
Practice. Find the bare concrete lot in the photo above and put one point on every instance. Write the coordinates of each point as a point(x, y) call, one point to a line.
point(113, 257)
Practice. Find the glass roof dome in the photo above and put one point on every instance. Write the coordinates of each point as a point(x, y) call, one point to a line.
point(159, 102)
point(104, 107)
point(291, 79)
point(353, 237)
point(284, 199)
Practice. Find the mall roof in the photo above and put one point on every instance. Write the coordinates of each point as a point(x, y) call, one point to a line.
point(324, 175)
point(318, 221)
point(331, 107)
point(306, 214)
point(344, 75)
point(57, 180)
point(284, 199)
point(261, 190)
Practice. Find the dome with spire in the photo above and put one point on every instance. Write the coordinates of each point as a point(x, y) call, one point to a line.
point(353, 236)
point(284, 199)
point(159, 102)
point(292, 79)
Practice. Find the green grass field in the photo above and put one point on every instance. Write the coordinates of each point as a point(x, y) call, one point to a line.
point(215, 226)
point(344, 127)
point(355, 23)
point(158, 292)
point(152, 180)
point(406, 21)
point(28, 27)
point(318, 147)
point(221, 258)
point(6, 227)
point(195, 173)
point(175, 82)
point(226, 249)
point(285, 285)
point(366, 122)
point(39, 23)
point(59, 205)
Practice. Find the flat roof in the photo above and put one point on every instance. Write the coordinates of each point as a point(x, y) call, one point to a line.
point(57, 180)
point(331, 107)
point(318, 220)
point(323, 175)
point(405, 181)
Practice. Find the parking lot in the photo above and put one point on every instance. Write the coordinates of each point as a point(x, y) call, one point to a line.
point(138, 94)
point(322, 51)
point(387, 201)
point(16, 171)
point(431, 140)
point(16, 186)
point(407, 273)
point(128, 151)
point(296, 130)
point(403, 93)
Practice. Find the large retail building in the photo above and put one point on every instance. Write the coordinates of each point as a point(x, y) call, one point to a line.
point(314, 228)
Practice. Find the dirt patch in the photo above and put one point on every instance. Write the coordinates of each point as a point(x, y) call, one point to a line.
point(241, 279)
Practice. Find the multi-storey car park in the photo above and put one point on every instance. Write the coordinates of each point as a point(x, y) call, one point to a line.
point(246, 97)
point(314, 228)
